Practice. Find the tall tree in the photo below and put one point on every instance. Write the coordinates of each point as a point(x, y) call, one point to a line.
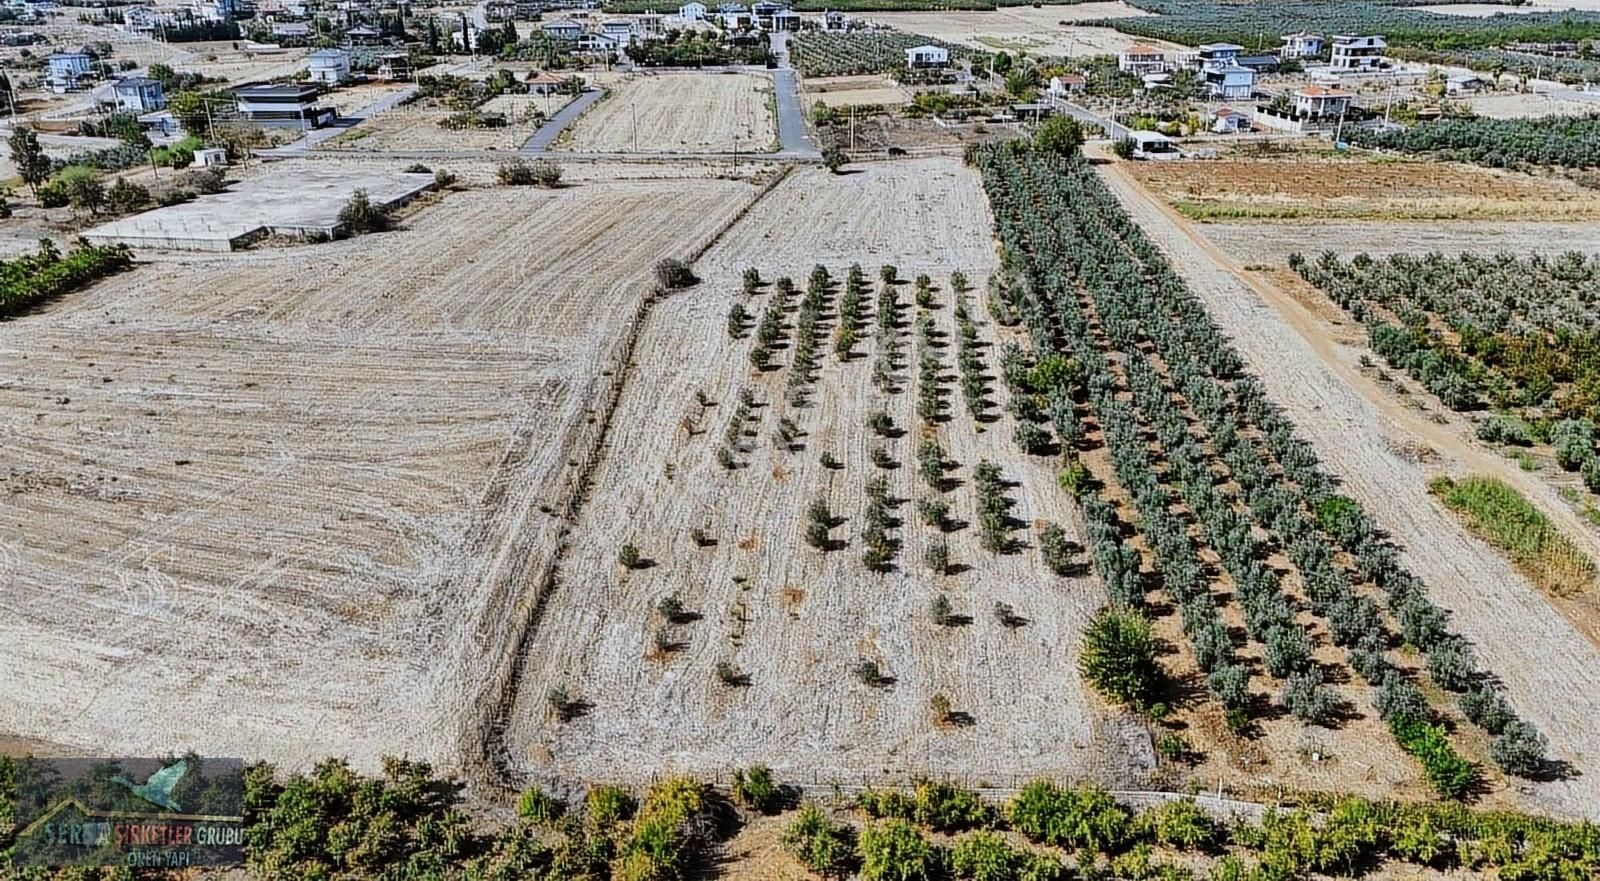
point(32, 165)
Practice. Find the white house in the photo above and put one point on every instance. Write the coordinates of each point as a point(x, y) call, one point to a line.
point(620, 30)
point(735, 16)
point(1067, 83)
point(835, 21)
point(1301, 45)
point(1358, 53)
point(692, 12)
point(1230, 82)
point(1153, 145)
point(596, 43)
point(331, 66)
point(139, 20)
point(927, 56)
point(1227, 121)
point(563, 29)
point(1140, 59)
point(66, 69)
point(1217, 55)
point(138, 94)
point(1463, 83)
point(1321, 102)
point(786, 20)
point(291, 29)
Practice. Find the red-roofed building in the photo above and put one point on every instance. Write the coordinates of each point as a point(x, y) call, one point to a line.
point(1227, 121)
point(1141, 60)
point(1321, 102)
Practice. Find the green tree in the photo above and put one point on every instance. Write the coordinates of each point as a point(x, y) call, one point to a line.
point(823, 846)
point(1060, 135)
point(894, 850)
point(126, 197)
point(33, 166)
point(86, 193)
point(1119, 656)
point(833, 158)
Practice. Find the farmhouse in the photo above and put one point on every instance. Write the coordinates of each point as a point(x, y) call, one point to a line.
point(596, 43)
point(139, 94)
point(927, 56)
point(1230, 81)
point(543, 83)
point(281, 106)
point(563, 30)
point(66, 69)
point(619, 30)
point(394, 66)
point(1140, 59)
point(734, 16)
point(692, 12)
point(785, 20)
point(331, 66)
point(1358, 53)
point(139, 20)
point(1301, 45)
point(361, 35)
point(1067, 83)
point(835, 21)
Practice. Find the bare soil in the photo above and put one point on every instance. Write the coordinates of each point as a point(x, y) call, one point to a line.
point(791, 617)
point(294, 492)
point(679, 113)
point(1295, 188)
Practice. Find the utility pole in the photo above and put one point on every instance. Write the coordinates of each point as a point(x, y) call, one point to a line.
point(635, 109)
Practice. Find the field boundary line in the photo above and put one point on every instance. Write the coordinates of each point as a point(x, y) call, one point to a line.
point(487, 756)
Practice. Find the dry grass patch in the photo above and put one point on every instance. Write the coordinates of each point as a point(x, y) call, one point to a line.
point(1500, 514)
point(679, 113)
point(1302, 188)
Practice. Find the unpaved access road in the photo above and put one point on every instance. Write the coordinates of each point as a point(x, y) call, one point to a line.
point(1550, 670)
point(1257, 242)
point(792, 618)
point(280, 504)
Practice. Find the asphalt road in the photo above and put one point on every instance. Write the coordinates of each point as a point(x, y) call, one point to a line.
point(545, 137)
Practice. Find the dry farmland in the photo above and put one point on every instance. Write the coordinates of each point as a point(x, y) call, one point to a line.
point(679, 113)
point(1046, 30)
point(1384, 455)
point(296, 493)
point(1299, 188)
point(411, 127)
point(792, 618)
point(847, 91)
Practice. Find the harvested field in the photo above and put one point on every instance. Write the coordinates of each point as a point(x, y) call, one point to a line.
point(679, 113)
point(1293, 189)
point(793, 619)
point(1044, 31)
point(419, 128)
point(1502, 106)
point(297, 492)
point(1247, 241)
point(846, 91)
point(349, 99)
point(1366, 442)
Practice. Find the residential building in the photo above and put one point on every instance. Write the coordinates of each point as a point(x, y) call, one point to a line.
point(1140, 60)
point(500, 10)
point(835, 21)
point(763, 11)
point(785, 20)
point(619, 30)
point(1301, 45)
point(927, 56)
point(735, 16)
point(139, 20)
point(1067, 83)
point(1321, 102)
point(1259, 63)
point(596, 43)
point(1227, 121)
point(1217, 55)
point(649, 24)
point(331, 66)
point(207, 157)
point(1463, 84)
point(564, 29)
point(1153, 145)
point(292, 30)
point(692, 12)
point(363, 35)
point(1230, 82)
point(277, 106)
point(139, 94)
point(1358, 53)
point(543, 83)
point(395, 66)
point(65, 70)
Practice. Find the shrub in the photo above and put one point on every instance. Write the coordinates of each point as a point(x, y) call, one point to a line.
point(359, 215)
point(937, 556)
point(1058, 134)
point(1487, 708)
point(1181, 824)
point(754, 788)
point(1305, 695)
point(1450, 775)
point(126, 197)
point(1055, 549)
point(536, 805)
point(1071, 818)
point(53, 194)
point(986, 856)
point(833, 158)
point(672, 274)
point(1119, 656)
point(1520, 749)
point(515, 173)
point(946, 807)
point(893, 850)
point(1123, 148)
point(823, 846)
point(628, 556)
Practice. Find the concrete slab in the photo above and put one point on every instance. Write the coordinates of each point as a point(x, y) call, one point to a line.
point(304, 204)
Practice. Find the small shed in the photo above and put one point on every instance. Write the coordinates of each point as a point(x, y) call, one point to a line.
point(1227, 121)
point(1153, 145)
point(206, 157)
point(1463, 84)
point(1067, 83)
point(927, 56)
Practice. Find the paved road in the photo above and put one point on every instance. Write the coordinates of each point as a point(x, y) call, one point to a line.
point(316, 136)
point(1115, 130)
point(546, 135)
point(793, 137)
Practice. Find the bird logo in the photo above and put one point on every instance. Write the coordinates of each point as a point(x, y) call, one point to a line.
point(157, 789)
